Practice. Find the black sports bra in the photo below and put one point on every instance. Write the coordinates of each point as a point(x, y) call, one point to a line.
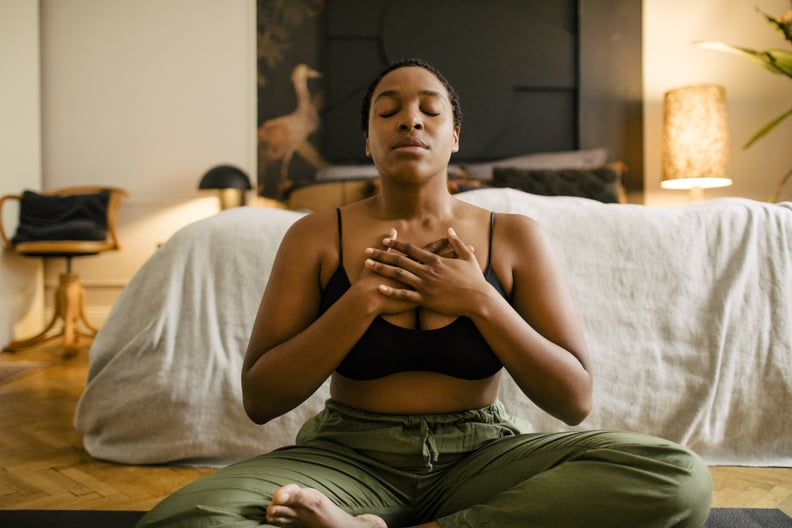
point(457, 349)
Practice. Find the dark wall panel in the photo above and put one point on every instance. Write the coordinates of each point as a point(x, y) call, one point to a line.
point(532, 75)
point(512, 62)
point(611, 90)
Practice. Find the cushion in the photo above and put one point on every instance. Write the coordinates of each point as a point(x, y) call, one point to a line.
point(601, 183)
point(569, 159)
point(346, 172)
point(62, 217)
point(349, 172)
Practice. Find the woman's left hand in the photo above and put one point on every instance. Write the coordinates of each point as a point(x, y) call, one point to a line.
point(443, 248)
point(442, 276)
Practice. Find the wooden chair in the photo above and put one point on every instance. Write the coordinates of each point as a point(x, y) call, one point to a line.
point(70, 295)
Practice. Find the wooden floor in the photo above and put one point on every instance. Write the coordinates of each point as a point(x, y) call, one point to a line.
point(43, 465)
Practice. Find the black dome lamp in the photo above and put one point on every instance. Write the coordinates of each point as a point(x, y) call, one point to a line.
point(231, 183)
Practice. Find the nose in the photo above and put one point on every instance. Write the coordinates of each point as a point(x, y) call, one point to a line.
point(411, 121)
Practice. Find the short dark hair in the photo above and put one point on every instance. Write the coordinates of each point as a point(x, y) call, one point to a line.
point(365, 106)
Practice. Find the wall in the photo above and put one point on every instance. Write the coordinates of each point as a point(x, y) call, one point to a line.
point(145, 95)
point(753, 95)
point(20, 150)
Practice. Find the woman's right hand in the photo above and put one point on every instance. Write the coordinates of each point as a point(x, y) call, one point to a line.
point(371, 281)
point(392, 305)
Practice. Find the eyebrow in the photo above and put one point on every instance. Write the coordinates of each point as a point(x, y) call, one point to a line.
point(395, 93)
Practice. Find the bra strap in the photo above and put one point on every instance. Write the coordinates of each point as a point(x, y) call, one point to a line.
point(340, 241)
point(491, 236)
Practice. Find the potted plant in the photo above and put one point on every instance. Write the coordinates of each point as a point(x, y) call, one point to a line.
point(778, 61)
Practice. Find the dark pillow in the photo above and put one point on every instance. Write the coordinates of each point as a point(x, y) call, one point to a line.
point(69, 217)
point(601, 183)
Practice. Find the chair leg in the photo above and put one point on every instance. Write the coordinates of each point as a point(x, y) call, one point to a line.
point(70, 310)
point(39, 338)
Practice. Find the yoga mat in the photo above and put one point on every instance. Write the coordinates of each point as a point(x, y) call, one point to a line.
point(719, 518)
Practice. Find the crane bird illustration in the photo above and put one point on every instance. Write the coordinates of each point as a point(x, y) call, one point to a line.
point(279, 138)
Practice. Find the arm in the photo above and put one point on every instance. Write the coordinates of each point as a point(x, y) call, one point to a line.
point(292, 351)
point(544, 349)
point(538, 337)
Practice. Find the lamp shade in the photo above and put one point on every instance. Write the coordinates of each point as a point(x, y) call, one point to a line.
point(225, 177)
point(695, 138)
point(230, 183)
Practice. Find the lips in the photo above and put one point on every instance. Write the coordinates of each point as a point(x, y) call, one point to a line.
point(409, 141)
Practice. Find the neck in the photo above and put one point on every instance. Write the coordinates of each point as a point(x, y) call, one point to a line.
point(419, 201)
point(303, 95)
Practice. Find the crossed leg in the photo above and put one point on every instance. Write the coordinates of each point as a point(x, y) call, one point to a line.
point(553, 480)
point(299, 487)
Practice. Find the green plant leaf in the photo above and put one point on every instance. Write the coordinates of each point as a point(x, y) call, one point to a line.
point(767, 128)
point(775, 60)
point(783, 27)
point(781, 61)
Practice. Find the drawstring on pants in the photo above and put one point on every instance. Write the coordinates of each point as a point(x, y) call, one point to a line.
point(428, 448)
point(418, 442)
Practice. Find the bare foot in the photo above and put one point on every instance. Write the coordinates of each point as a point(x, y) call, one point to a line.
point(298, 507)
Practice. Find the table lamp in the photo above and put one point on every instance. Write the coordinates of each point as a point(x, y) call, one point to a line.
point(230, 182)
point(695, 139)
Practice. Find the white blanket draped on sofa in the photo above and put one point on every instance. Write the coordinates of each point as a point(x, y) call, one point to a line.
point(687, 312)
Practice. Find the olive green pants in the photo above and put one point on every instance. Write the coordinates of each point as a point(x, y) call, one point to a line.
point(466, 469)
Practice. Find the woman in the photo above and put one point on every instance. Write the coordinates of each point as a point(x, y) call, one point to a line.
point(414, 302)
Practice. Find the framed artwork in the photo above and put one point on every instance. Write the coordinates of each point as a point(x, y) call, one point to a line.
point(289, 93)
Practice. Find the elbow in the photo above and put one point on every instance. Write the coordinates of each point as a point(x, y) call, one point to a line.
point(256, 413)
point(577, 413)
point(580, 406)
point(253, 402)
point(257, 398)
point(267, 403)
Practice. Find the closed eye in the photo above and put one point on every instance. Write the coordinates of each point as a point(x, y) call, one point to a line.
point(431, 106)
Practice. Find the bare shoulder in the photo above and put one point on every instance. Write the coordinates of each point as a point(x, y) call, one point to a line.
point(473, 213)
point(520, 244)
point(513, 228)
point(313, 228)
point(310, 243)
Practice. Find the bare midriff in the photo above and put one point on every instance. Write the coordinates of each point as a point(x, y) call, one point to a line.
point(415, 392)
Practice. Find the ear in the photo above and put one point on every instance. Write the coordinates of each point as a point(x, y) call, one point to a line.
point(365, 139)
point(456, 139)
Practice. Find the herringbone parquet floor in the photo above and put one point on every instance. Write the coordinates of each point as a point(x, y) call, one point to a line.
point(43, 465)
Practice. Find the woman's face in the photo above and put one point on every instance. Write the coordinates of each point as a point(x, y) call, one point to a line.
point(411, 124)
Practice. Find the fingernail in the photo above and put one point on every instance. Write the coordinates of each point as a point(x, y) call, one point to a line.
point(387, 241)
point(452, 232)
